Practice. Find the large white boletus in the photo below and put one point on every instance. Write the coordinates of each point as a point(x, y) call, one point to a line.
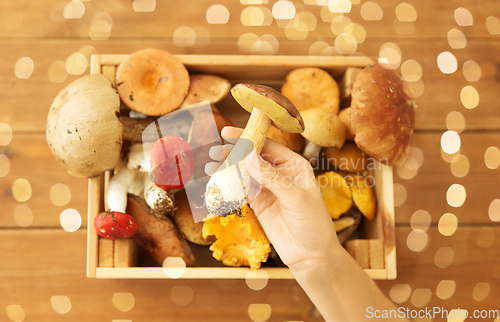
point(382, 115)
point(228, 188)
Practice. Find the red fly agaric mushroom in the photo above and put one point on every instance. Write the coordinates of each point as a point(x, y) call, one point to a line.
point(383, 115)
point(229, 186)
point(323, 129)
point(152, 82)
point(172, 162)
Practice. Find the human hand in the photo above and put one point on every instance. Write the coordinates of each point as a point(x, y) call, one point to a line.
point(288, 204)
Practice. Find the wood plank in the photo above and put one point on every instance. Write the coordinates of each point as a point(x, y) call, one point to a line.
point(376, 253)
point(441, 92)
point(44, 19)
point(124, 253)
point(31, 159)
point(38, 264)
point(358, 248)
point(106, 253)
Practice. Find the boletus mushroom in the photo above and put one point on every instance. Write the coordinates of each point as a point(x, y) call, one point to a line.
point(152, 82)
point(382, 115)
point(83, 130)
point(228, 188)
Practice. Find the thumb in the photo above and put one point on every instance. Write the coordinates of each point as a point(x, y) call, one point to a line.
point(269, 177)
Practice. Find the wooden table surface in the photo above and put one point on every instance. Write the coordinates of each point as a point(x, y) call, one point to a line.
point(448, 50)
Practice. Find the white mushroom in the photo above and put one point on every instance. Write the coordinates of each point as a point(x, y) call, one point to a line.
point(116, 195)
point(158, 199)
point(138, 157)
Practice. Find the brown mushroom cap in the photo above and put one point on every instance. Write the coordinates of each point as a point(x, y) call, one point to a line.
point(323, 127)
point(152, 82)
point(383, 115)
point(210, 88)
point(277, 107)
point(311, 87)
point(293, 141)
point(83, 130)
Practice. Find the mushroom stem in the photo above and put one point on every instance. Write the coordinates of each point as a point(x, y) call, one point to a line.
point(116, 196)
point(228, 187)
point(158, 199)
point(311, 152)
point(138, 157)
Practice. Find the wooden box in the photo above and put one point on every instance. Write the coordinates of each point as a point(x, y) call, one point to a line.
point(375, 251)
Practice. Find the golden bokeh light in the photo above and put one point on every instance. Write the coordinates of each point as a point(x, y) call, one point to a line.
point(494, 210)
point(455, 121)
point(4, 165)
point(144, 5)
point(456, 39)
point(217, 14)
point(444, 257)
point(449, 157)
point(76, 64)
point(100, 26)
point(409, 169)
point(446, 289)
point(283, 9)
point(182, 295)
point(450, 142)
point(493, 25)
point(327, 15)
point(400, 194)
point(416, 88)
point(339, 23)
point(184, 36)
point(400, 293)
point(460, 166)
point(60, 303)
point(469, 97)
point(447, 63)
point(123, 302)
point(24, 67)
point(256, 280)
point(411, 70)
point(317, 48)
point(417, 154)
point(5, 134)
point(421, 297)
point(269, 45)
point(421, 220)
point(371, 11)
point(339, 6)
point(357, 31)
point(491, 157)
point(59, 194)
point(57, 72)
point(296, 31)
point(485, 237)
point(253, 2)
point(456, 195)
point(88, 51)
point(406, 12)
point(70, 220)
point(417, 240)
point(308, 20)
point(21, 190)
point(457, 315)
point(390, 55)
point(15, 313)
point(74, 10)
point(174, 267)
point(346, 44)
point(463, 17)
point(256, 16)
point(472, 71)
point(246, 42)
point(202, 36)
point(259, 312)
point(481, 291)
point(23, 216)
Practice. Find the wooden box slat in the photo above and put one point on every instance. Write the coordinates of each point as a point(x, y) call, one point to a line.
point(270, 70)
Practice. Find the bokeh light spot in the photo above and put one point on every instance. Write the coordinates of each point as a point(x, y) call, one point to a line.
point(123, 302)
point(59, 194)
point(460, 166)
point(21, 190)
point(455, 121)
point(339, 6)
point(174, 267)
point(317, 48)
point(257, 280)
point(448, 224)
point(494, 210)
point(469, 97)
point(357, 31)
point(417, 240)
point(57, 72)
point(492, 157)
point(472, 71)
point(74, 10)
point(493, 25)
point(371, 11)
point(217, 14)
point(421, 297)
point(400, 293)
point(70, 220)
point(76, 64)
point(247, 41)
point(463, 17)
point(450, 142)
point(182, 295)
point(5, 134)
point(184, 36)
point(283, 9)
point(259, 312)
point(339, 23)
point(15, 313)
point(481, 292)
point(390, 55)
point(144, 5)
point(346, 44)
point(485, 237)
point(60, 303)
point(444, 257)
point(447, 63)
point(421, 220)
point(23, 216)
point(24, 67)
point(406, 12)
point(400, 194)
point(456, 39)
point(4, 165)
point(456, 195)
point(411, 70)
point(446, 289)
point(409, 169)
